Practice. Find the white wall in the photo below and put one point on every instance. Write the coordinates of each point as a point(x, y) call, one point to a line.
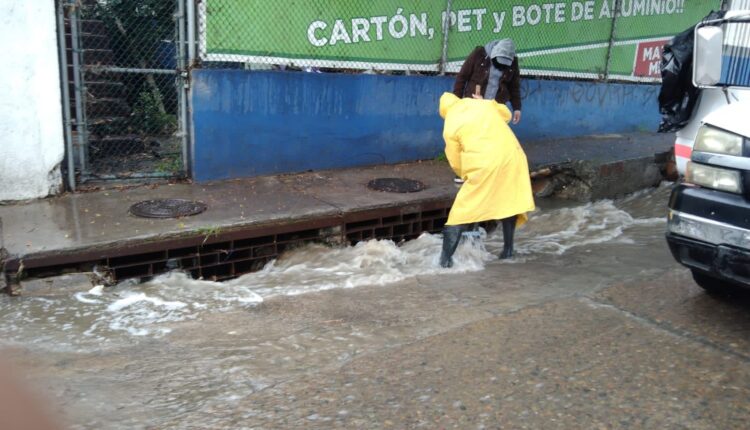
point(31, 132)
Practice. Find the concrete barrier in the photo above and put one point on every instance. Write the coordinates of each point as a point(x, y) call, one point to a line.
point(257, 123)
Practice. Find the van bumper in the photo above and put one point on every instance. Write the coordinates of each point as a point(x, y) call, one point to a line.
point(707, 231)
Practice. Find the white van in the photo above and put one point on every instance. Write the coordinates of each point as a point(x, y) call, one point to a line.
point(709, 210)
point(715, 98)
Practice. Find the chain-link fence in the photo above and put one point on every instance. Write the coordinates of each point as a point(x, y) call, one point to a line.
point(588, 39)
point(125, 89)
point(125, 60)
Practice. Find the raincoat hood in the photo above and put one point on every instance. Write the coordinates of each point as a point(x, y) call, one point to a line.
point(447, 100)
point(504, 50)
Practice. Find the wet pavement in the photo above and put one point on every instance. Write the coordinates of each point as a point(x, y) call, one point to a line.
point(592, 325)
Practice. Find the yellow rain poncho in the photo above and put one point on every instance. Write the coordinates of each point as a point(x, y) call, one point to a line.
point(484, 152)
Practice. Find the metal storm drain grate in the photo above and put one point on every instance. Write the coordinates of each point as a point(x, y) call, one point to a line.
point(167, 208)
point(230, 254)
point(396, 185)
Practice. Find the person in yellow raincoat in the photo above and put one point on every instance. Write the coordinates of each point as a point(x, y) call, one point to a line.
point(484, 152)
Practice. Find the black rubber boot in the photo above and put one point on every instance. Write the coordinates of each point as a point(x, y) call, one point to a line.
point(451, 237)
point(509, 228)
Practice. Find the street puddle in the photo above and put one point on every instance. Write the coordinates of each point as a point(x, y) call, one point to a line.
point(102, 315)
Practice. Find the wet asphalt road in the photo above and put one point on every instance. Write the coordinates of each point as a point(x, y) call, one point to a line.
point(607, 335)
point(650, 352)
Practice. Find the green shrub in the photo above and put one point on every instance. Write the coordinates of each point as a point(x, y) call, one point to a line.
point(148, 118)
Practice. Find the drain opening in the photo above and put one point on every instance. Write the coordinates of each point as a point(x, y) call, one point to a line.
point(396, 185)
point(167, 208)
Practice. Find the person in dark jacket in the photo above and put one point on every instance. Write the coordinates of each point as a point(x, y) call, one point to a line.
point(491, 72)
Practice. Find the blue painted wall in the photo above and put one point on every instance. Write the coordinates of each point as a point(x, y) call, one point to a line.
point(255, 123)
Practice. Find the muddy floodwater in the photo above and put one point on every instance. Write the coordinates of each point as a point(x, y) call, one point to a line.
point(182, 353)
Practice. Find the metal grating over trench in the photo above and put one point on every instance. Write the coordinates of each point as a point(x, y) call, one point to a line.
point(398, 225)
point(227, 255)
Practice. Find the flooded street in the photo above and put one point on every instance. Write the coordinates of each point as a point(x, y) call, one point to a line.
point(591, 325)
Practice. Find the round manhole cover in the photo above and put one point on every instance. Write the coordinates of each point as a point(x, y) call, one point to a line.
point(396, 185)
point(167, 208)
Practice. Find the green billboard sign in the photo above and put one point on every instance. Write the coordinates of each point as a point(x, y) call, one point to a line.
point(588, 38)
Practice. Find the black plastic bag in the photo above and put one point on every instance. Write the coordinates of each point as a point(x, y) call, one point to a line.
point(678, 95)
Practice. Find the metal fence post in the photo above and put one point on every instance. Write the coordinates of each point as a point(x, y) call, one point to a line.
point(446, 29)
point(181, 78)
point(64, 83)
point(180, 16)
point(612, 35)
point(191, 32)
point(78, 86)
point(191, 61)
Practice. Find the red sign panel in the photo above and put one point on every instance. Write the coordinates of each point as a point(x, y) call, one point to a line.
point(648, 58)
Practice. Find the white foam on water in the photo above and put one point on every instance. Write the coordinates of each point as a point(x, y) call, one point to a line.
point(560, 230)
point(133, 299)
point(82, 297)
point(375, 262)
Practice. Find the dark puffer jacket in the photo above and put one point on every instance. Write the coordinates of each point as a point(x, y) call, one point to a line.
point(476, 71)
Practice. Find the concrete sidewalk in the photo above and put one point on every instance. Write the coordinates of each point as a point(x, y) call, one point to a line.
point(63, 231)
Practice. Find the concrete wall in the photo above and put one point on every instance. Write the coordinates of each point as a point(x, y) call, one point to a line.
point(254, 123)
point(31, 133)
